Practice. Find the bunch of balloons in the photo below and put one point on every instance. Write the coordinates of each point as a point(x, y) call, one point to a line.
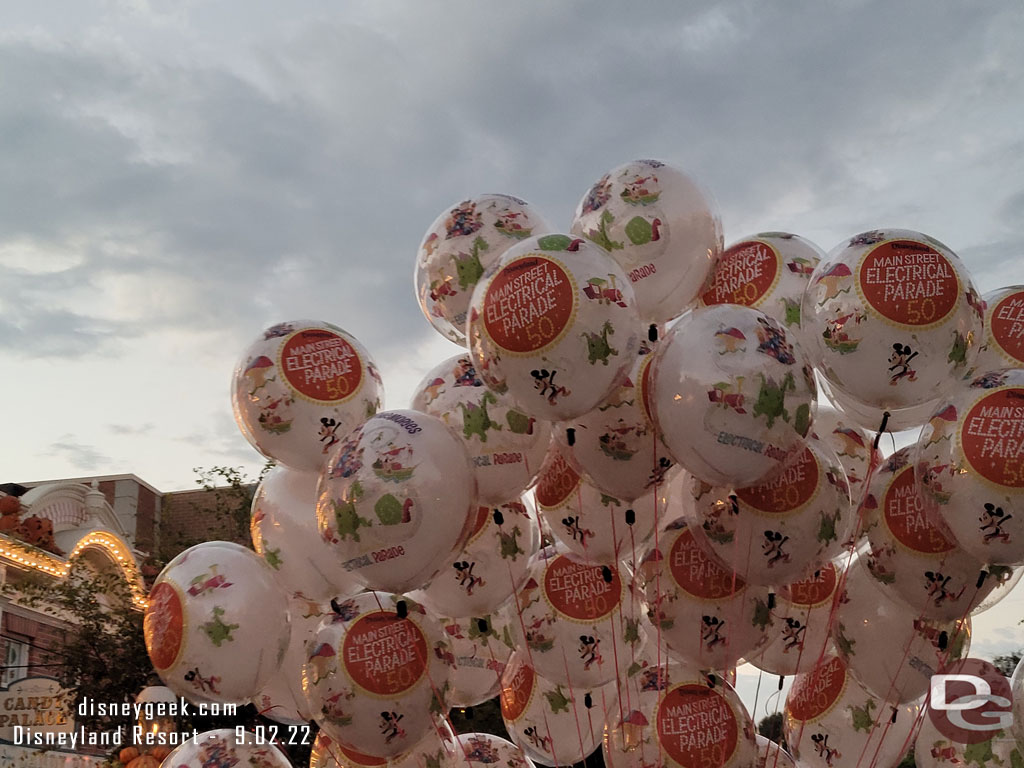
point(621, 487)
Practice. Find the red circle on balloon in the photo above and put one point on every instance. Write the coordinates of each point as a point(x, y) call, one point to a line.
point(579, 591)
point(697, 573)
point(909, 283)
point(992, 437)
point(528, 304)
point(1007, 324)
point(163, 625)
point(744, 274)
point(321, 365)
point(905, 516)
point(697, 726)
point(384, 654)
point(788, 491)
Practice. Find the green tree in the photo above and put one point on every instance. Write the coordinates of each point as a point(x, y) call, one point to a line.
point(1006, 664)
point(770, 727)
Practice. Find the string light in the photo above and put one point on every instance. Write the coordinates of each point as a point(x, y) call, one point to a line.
point(27, 556)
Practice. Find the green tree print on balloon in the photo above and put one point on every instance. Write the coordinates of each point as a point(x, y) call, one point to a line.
point(468, 266)
point(557, 700)
point(216, 629)
point(862, 717)
point(981, 754)
point(844, 643)
point(600, 235)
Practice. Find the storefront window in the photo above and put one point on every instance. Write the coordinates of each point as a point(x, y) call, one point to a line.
point(15, 661)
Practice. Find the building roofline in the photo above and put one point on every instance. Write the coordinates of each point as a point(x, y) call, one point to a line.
point(86, 480)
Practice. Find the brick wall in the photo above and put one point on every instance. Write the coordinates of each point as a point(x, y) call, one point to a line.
point(188, 517)
point(145, 520)
point(43, 639)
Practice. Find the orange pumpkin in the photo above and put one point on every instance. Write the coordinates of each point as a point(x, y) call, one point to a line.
point(144, 761)
point(160, 752)
point(128, 754)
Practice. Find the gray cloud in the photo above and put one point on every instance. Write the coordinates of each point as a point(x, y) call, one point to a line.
point(81, 456)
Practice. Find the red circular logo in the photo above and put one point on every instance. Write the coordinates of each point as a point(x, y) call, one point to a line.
point(788, 491)
point(906, 519)
point(558, 481)
point(697, 727)
point(814, 693)
point(992, 437)
point(697, 573)
point(579, 591)
point(909, 283)
point(528, 304)
point(516, 693)
point(1007, 324)
point(814, 590)
point(744, 274)
point(163, 625)
point(321, 365)
point(384, 654)
point(971, 702)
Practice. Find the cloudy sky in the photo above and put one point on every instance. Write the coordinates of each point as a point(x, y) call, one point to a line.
point(175, 176)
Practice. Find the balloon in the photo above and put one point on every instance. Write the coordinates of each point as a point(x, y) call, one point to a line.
point(550, 721)
point(774, 532)
point(1004, 330)
point(204, 637)
point(852, 446)
point(662, 229)
point(505, 445)
point(830, 721)
point(680, 718)
point(683, 582)
point(479, 749)
point(435, 750)
point(889, 651)
point(381, 484)
point(482, 645)
point(895, 317)
point(771, 755)
point(275, 702)
point(589, 523)
point(575, 619)
point(768, 271)
point(800, 631)
point(492, 565)
point(284, 533)
point(223, 747)
point(374, 677)
point(969, 465)
point(914, 556)
point(615, 444)
point(554, 324)
point(732, 396)
point(1017, 690)
point(459, 246)
point(300, 388)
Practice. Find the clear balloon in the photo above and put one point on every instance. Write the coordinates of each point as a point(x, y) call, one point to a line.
point(377, 672)
point(223, 747)
point(577, 620)
point(774, 532)
point(491, 566)
point(682, 582)
point(284, 532)
point(480, 749)
point(886, 649)
point(594, 526)
point(435, 750)
point(803, 610)
point(505, 445)
point(554, 324)
point(732, 396)
point(459, 246)
point(852, 446)
point(660, 226)
point(771, 755)
point(830, 721)
point(203, 637)
point(912, 552)
point(872, 419)
point(678, 717)
point(895, 317)
point(382, 483)
point(768, 271)
point(305, 615)
point(482, 646)
point(615, 445)
point(968, 462)
point(300, 388)
point(550, 721)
